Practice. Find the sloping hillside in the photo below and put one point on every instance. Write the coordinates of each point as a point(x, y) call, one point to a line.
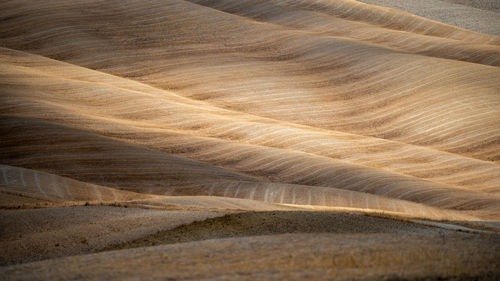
point(219, 107)
point(478, 15)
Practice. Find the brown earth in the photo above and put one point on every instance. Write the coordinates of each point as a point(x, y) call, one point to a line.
point(276, 222)
point(278, 139)
point(317, 256)
point(477, 15)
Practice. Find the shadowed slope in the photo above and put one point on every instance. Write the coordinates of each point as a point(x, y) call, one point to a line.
point(378, 126)
point(280, 72)
point(277, 222)
point(158, 173)
point(30, 235)
point(117, 126)
point(285, 257)
point(372, 25)
point(96, 159)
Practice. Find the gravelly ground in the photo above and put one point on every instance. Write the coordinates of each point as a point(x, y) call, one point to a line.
point(480, 16)
point(30, 235)
point(300, 256)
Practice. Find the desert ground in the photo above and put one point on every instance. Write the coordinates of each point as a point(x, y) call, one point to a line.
point(250, 140)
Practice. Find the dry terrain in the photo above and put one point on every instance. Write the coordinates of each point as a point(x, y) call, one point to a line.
point(249, 140)
point(478, 15)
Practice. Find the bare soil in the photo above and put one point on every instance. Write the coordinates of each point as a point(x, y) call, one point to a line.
point(480, 16)
point(277, 222)
point(299, 256)
point(249, 140)
point(36, 234)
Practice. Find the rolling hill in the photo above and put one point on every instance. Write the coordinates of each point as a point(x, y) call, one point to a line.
point(198, 110)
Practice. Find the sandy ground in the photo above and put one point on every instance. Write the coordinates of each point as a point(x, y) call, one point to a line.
point(480, 16)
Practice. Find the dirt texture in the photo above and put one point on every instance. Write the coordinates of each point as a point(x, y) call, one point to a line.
point(249, 140)
point(477, 15)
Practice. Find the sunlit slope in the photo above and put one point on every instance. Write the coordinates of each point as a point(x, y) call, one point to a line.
point(19, 186)
point(147, 174)
point(362, 70)
point(368, 24)
point(111, 131)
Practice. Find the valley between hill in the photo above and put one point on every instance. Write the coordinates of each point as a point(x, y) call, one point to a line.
point(223, 140)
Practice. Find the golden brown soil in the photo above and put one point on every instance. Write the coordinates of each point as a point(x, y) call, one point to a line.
point(259, 139)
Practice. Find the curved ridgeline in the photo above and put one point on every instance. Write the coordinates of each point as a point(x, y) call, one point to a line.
point(327, 103)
